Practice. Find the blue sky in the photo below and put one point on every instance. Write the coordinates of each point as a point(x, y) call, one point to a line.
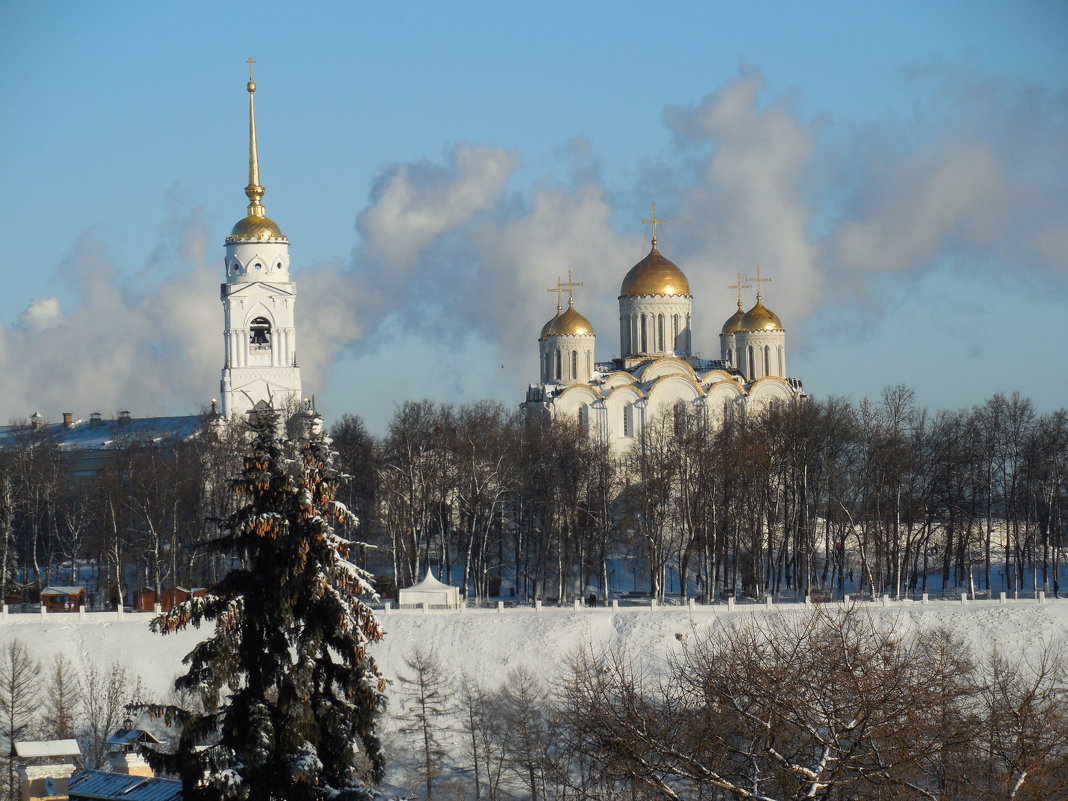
point(899, 169)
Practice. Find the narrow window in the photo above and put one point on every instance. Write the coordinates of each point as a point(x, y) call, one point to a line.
point(644, 346)
point(559, 369)
point(767, 360)
point(749, 362)
point(574, 365)
point(675, 331)
point(626, 421)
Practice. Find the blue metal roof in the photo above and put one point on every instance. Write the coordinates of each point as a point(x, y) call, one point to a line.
point(95, 785)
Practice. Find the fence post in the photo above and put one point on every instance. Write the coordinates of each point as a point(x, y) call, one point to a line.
point(3, 612)
point(576, 604)
point(537, 605)
point(1003, 597)
point(964, 599)
point(652, 603)
point(615, 604)
point(1041, 596)
point(690, 602)
point(386, 608)
point(730, 604)
point(500, 607)
point(925, 599)
point(118, 611)
point(769, 602)
point(81, 611)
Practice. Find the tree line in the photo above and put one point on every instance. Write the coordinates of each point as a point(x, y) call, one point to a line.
point(819, 497)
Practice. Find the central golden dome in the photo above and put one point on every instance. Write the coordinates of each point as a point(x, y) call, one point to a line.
point(760, 318)
point(654, 275)
point(253, 227)
point(570, 323)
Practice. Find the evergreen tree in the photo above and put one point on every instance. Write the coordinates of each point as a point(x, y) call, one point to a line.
point(291, 691)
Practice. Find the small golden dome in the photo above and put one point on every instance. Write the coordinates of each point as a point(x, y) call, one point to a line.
point(654, 275)
point(760, 318)
point(570, 323)
point(734, 322)
point(256, 228)
point(545, 329)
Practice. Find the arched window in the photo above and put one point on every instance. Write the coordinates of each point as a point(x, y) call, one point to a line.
point(643, 346)
point(749, 368)
point(626, 421)
point(259, 337)
point(574, 365)
point(675, 331)
point(559, 366)
point(660, 332)
point(767, 360)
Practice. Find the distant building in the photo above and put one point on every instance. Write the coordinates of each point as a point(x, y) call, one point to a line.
point(657, 370)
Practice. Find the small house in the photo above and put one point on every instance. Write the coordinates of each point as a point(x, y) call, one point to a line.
point(45, 767)
point(62, 599)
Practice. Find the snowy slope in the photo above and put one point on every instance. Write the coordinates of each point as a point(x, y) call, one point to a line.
point(487, 643)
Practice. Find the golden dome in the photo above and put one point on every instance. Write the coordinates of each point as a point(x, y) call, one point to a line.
point(654, 275)
point(570, 323)
point(734, 322)
point(760, 318)
point(253, 227)
point(548, 327)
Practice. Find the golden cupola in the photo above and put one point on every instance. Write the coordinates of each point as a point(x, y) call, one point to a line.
point(256, 224)
point(734, 322)
point(654, 275)
point(568, 324)
point(760, 318)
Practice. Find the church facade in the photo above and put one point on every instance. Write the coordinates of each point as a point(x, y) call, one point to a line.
point(258, 298)
point(656, 370)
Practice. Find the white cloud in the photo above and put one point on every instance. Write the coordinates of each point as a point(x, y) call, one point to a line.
point(41, 314)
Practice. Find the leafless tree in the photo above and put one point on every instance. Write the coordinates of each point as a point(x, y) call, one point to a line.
point(426, 703)
point(19, 689)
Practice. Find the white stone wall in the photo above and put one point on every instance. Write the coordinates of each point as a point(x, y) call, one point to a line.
point(761, 353)
point(567, 359)
point(655, 325)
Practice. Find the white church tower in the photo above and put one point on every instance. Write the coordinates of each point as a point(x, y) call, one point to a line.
point(259, 340)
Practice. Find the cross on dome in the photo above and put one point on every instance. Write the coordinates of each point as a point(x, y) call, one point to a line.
point(653, 222)
point(740, 286)
point(758, 281)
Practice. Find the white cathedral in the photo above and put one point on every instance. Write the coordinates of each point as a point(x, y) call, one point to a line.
point(656, 370)
point(259, 339)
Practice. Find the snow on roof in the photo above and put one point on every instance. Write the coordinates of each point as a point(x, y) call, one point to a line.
point(47, 748)
point(430, 583)
point(130, 736)
point(105, 434)
point(62, 590)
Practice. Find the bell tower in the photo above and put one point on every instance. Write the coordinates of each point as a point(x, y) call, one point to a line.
point(259, 338)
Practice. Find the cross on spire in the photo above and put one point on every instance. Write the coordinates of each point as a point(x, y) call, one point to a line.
point(653, 222)
point(570, 287)
point(758, 281)
point(250, 61)
point(559, 290)
point(740, 286)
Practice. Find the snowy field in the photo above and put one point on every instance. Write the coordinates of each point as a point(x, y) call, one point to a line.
point(487, 644)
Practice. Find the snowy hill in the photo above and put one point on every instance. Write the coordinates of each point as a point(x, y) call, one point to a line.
point(487, 643)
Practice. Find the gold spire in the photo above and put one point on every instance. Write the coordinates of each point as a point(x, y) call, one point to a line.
point(570, 287)
point(758, 281)
point(654, 223)
point(559, 290)
point(740, 286)
point(254, 191)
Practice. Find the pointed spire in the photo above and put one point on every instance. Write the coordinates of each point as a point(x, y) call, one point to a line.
point(254, 191)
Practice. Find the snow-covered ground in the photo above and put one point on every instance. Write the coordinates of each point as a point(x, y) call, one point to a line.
point(487, 644)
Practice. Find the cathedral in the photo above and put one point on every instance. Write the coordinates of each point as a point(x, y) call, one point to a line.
point(656, 370)
point(259, 339)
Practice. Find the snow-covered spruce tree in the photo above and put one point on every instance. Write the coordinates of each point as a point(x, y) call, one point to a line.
point(292, 694)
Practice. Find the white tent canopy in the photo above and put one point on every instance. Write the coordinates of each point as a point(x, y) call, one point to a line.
point(431, 592)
